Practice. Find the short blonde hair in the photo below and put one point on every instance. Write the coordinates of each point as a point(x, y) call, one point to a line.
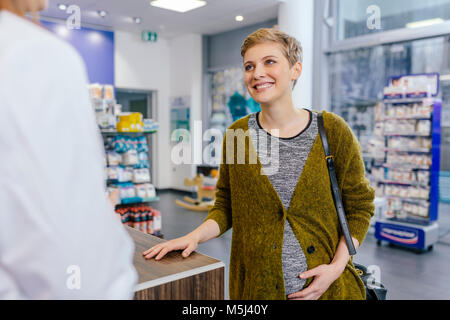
point(291, 47)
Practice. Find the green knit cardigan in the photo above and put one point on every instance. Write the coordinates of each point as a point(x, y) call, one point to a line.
point(247, 202)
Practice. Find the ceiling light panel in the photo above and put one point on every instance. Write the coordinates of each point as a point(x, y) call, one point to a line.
point(178, 5)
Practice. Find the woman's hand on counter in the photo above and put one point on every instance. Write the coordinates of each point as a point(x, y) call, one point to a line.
point(187, 243)
point(206, 231)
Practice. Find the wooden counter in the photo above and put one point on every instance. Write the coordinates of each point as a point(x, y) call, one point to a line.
point(197, 277)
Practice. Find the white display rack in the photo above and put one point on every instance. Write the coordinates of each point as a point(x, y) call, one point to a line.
point(405, 182)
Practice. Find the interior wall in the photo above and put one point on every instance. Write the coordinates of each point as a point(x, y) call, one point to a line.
point(321, 39)
point(224, 49)
point(146, 66)
point(297, 19)
point(186, 80)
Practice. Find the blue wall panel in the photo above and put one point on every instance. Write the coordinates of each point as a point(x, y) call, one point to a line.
point(95, 46)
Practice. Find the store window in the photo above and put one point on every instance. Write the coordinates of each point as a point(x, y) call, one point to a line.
point(357, 78)
point(360, 17)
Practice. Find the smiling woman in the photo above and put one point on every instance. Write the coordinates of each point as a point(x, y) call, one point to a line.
point(286, 239)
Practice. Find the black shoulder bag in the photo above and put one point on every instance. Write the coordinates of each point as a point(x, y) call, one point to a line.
point(374, 291)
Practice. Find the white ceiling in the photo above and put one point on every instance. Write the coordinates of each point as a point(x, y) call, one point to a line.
point(217, 16)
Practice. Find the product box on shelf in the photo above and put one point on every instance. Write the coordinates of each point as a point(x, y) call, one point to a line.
point(145, 190)
point(411, 86)
point(104, 104)
point(150, 125)
point(141, 217)
point(130, 122)
point(96, 91)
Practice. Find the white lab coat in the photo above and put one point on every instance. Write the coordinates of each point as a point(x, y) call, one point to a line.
point(59, 238)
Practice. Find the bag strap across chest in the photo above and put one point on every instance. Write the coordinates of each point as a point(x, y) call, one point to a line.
point(334, 186)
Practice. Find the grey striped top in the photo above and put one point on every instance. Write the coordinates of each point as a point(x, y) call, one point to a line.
point(283, 170)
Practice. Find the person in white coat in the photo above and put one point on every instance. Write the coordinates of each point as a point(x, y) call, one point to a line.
point(59, 237)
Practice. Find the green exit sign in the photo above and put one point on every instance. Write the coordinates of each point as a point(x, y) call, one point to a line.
point(149, 36)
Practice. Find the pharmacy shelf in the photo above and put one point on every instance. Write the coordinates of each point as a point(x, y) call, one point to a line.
point(406, 134)
point(405, 166)
point(404, 100)
point(408, 199)
point(412, 219)
point(138, 200)
point(416, 184)
point(418, 117)
point(435, 134)
point(114, 132)
point(412, 150)
point(147, 134)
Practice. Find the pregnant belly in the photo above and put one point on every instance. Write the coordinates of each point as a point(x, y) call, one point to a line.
point(293, 260)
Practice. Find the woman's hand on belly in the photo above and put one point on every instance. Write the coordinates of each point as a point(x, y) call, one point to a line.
point(324, 275)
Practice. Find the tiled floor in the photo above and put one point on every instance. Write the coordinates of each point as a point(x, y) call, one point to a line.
point(406, 274)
